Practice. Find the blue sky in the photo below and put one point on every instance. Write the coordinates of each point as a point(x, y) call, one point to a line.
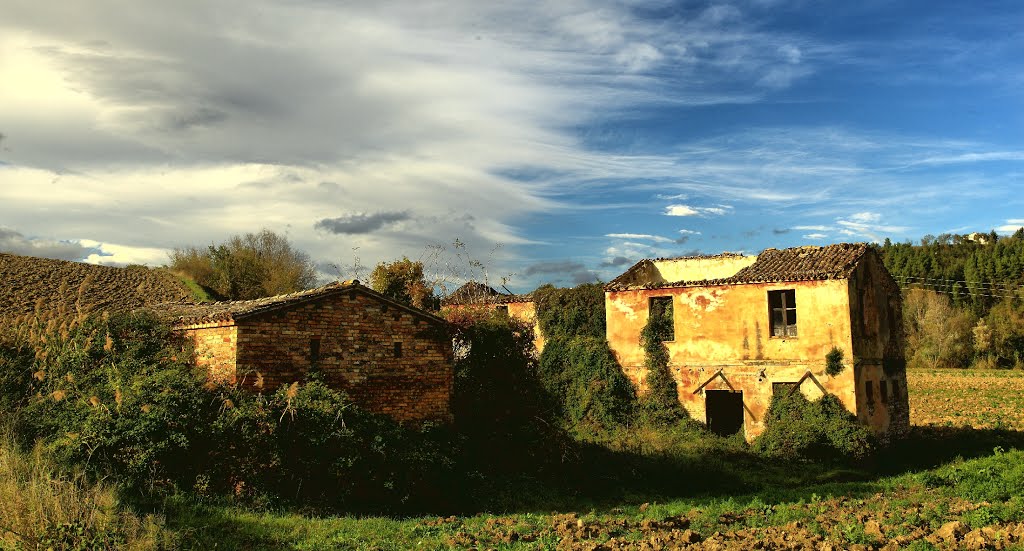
point(558, 141)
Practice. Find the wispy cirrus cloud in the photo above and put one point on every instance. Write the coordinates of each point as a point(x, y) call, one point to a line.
point(642, 236)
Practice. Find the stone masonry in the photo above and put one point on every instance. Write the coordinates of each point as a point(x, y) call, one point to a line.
point(388, 357)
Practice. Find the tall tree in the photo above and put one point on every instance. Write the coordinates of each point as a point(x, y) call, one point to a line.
point(403, 280)
point(247, 266)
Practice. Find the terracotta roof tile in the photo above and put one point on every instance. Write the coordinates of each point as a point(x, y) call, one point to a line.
point(180, 314)
point(794, 264)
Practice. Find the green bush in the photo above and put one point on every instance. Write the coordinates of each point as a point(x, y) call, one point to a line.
point(822, 430)
point(590, 391)
point(834, 361)
point(567, 313)
point(121, 397)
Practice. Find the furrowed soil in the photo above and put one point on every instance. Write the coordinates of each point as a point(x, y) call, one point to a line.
point(949, 486)
point(982, 399)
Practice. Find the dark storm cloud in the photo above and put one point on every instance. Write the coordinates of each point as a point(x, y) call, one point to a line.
point(16, 243)
point(563, 270)
point(616, 262)
point(360, 222)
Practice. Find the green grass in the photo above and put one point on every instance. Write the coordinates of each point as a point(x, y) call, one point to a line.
point(918, 496)
point(199, 294)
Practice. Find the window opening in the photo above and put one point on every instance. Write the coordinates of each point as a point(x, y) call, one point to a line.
point(869, 392)
point(314, 351)
point(883, 390)
point(661, 308)
point(782, 313)
point(398, 349)
point(783, 389)
point(895, 390)
point(502, 309)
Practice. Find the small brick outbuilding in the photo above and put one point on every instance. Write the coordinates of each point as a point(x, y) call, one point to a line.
point(387, 356)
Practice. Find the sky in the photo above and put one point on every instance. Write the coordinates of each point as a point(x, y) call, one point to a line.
point(523, 142)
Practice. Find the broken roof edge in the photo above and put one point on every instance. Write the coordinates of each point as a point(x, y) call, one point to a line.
point(236, 311)
point(473, 292)
point(750, 274)
point(645, 261)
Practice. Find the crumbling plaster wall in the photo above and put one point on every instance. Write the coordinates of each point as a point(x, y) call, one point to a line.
point(876, 320)
point(700, 269)
point(726, 328)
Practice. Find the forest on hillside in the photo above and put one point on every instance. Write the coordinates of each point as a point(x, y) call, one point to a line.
point(963, 299)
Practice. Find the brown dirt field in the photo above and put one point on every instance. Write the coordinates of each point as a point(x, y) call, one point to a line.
point(47, 288)
point(977, 398)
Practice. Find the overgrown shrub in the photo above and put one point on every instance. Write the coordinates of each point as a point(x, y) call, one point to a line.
point(590, 391)
point(307, 444)
point(120, 397)
point(568, 313)
point(117, 393)
point(820, 430)
point(834, 362)
point(659, 405)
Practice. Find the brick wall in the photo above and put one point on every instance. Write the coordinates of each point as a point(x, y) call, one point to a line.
point(216, 345)
point(386, 358)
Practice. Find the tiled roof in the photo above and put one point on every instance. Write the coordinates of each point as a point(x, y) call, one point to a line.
point(474, 292)
point(180, 314)
point(794, 264)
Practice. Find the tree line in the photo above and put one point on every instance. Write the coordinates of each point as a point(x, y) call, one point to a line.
point(963, 298)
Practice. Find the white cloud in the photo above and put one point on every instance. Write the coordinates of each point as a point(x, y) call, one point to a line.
point(681, 210)
point(655, 238)
point(815, 236)
point(687, 210)
point(813, 228)
point(1011, 226)
point(689, 232)
point(868, 224)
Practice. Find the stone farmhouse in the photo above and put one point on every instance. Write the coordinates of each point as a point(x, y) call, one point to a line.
point(477, 295)
point(747, 327)
point(389, 357)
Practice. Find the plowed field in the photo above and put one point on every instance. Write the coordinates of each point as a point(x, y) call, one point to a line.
point(980, 399)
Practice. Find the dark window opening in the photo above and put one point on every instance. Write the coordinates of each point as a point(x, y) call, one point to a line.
point(783, 389)
point(895, 390)
point(660, 308)
point(398, 349)
point(724, 411)
point(869, 392)
point(502, 309)
point(782, 313)
point(883, 390)
point(314, 351)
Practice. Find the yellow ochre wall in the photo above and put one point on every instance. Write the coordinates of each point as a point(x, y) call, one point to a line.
point(726, 327)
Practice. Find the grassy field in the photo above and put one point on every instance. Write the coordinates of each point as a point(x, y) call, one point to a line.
point(948, 486)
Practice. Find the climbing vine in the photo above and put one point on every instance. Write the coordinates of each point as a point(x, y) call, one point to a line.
point(660, 404)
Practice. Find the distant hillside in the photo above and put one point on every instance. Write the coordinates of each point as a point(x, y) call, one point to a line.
point(61, 288)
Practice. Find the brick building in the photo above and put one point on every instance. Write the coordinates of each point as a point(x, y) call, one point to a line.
point(745, 327)
point(389, 357)
point(478, 295)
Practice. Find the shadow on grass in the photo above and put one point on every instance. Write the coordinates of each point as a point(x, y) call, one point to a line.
point(604, 481)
